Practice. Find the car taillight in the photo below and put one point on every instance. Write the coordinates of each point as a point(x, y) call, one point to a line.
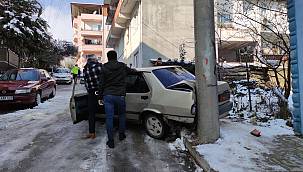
point(193, 109)
point(224, 96)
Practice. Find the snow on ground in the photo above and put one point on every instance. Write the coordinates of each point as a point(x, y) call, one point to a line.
point(237, 148)
point(178, 144)
point(31, 121)
point(290, 102)
point(264, 102)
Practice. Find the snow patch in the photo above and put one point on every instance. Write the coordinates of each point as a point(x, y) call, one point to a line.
point(9, 13)
point(290, 102)
point(237, 148)
point(177, 145)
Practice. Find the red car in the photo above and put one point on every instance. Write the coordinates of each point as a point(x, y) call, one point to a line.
point(27, 86)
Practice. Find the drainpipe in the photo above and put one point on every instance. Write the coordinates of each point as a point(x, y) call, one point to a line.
point(141, 34)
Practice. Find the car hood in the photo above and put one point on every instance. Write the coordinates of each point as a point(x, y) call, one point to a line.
point(13, 85)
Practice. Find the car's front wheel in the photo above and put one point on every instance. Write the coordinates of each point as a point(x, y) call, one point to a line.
point(155, 126)
point(38, 99)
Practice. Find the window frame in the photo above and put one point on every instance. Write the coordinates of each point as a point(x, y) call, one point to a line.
point(141, 75)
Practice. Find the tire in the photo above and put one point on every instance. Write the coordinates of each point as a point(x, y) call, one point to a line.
point(53, 94)
point(155, 126)
point(38, 99)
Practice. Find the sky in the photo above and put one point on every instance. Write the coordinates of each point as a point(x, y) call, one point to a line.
point(58, 15)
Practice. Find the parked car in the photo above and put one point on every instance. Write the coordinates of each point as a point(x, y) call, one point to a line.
point(62, 76)
point(157, 97)
point(27, 86)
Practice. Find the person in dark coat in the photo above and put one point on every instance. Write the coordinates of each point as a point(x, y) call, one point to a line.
point(114, 91)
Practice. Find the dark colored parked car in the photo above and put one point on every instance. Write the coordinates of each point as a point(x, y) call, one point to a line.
point(27, 86)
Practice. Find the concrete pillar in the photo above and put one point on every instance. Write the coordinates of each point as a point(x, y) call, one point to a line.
point(295, 15)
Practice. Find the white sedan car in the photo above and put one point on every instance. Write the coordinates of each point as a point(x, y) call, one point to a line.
point(62, 76)
point(157, 97)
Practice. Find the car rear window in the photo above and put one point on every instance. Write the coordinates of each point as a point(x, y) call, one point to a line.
point(171, 76)
point(62, 70)
point(20, 75)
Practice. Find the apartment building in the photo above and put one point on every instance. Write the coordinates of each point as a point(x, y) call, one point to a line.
point(145, 30)
point(259, 27)
point(90, 31)
point(142, 30)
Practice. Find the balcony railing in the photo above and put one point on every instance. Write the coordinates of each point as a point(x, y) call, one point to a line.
point(91, 17)
point(91, 48)
point(91, 33)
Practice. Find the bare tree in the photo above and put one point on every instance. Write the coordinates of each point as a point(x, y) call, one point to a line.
point(265, 22)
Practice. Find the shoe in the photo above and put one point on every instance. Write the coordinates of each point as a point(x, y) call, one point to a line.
point(90, 136)
point(110, 144)
point(122, 136)
point(93, 136)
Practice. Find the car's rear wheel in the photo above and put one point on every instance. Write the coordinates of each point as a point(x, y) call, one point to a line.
point(53, 94)
point(155, 126)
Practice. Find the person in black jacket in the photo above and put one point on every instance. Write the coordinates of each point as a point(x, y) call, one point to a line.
point(92, 76)
point(114, 91)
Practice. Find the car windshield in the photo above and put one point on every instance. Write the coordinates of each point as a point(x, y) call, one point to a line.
point(173, 75)
point(62, 70)
point(20, 75)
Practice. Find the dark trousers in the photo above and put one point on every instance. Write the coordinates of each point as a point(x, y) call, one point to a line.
point(75, 77)
point(111, 102)
point(92, 109)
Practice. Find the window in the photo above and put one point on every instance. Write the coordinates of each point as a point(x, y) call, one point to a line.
point(135, 83)
point(20, 75)
point(136, 59)
point(171, 76)
point(62, 70)
point(247, 6)
point(224, 18)
point(92, 26)
point(92, 41)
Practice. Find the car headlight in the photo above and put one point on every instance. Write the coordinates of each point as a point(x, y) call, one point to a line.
point(23, 91)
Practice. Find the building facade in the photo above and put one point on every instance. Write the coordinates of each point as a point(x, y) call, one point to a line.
point(145, 30)
point(90, 31)
point(259, 27)
point(295, 16)
point(8, 59)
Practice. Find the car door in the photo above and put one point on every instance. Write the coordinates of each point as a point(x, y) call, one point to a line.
point(50, 83)
point(137, 95)
point(44, 84)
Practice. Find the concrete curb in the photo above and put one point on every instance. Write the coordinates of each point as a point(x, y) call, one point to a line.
point(197, 157)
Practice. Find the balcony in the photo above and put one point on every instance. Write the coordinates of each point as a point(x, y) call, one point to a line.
point(91, 48)
point(91, 17)
point(8, 59)
point(230, 34)
point(91, 33)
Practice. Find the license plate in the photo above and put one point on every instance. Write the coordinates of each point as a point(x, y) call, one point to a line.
point(6, 98)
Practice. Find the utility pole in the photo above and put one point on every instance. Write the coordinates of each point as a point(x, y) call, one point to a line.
point(206, 79)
